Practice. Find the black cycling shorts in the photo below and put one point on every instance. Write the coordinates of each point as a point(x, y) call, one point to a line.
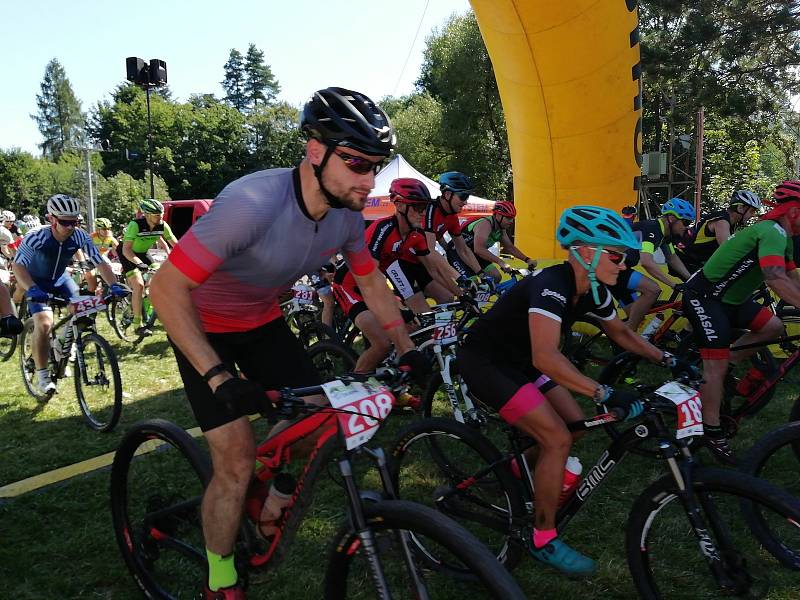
point(713, 320)
point(128, 266)
point(409, 280)
point(499, 385)
point(270, 355)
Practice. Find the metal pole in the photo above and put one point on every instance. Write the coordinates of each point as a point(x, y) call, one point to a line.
point(150, 145)
point(90, 208)
point(698, 163)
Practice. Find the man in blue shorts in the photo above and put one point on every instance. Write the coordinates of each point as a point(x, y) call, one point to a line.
point(637, 292)
point(39, 266)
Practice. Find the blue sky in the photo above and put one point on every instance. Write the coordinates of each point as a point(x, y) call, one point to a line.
point(309, 44)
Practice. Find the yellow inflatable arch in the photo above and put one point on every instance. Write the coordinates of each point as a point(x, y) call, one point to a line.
point(569, 80)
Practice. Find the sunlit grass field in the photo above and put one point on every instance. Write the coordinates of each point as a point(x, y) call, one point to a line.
point(58, 542)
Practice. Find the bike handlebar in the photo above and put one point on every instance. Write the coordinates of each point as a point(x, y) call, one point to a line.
point(288, 403)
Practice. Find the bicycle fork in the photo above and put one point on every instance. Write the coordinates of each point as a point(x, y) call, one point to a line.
point(366, 534)
point(455, 396)
point(724, 561)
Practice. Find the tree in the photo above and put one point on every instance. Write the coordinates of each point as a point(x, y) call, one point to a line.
point(458, 75)
point(260, 84)
point(235, 79)
point(278, 141)
point(59, 119)
point(417, 118)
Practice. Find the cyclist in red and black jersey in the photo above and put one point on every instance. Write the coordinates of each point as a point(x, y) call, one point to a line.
point(403, 256)
point(441, 218)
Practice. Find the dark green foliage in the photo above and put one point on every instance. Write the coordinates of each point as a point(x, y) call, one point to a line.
point(59, 116)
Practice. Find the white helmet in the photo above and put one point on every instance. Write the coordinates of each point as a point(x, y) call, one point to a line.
point(62, 205)
point(7, 215)
point(745, 197)
point(6, 236)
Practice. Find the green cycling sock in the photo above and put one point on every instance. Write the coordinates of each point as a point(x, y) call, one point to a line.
point(221, 571)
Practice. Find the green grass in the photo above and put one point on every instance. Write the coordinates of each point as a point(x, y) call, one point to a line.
point(58, 542)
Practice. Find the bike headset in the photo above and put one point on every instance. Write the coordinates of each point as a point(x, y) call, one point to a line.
point(339, 117)
point(407, 190)
point(598, 227)
point(457, 183)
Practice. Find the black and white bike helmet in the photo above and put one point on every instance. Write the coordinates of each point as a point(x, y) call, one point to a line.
point(62, 205)
point(745, 197)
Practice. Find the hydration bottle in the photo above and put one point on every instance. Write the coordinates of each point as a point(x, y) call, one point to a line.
point(653, 326)
point(280, 494)
point(572, 477)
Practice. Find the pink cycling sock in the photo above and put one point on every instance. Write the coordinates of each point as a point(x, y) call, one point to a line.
point(542, 537)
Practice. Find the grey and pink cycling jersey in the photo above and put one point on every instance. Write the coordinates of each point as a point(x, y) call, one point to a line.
point(255, 242)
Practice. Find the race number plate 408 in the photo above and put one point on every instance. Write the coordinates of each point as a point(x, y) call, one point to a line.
point(372, 401)
point(687, 403)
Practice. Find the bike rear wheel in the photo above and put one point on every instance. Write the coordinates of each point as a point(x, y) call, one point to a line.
point(98, 383)
point(446, 465)
point(668, 559)
point(26, 364)
point(348, 575)
point(155, 507)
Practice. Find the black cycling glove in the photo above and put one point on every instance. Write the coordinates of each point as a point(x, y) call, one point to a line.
point(419, 366)
point(243, 396)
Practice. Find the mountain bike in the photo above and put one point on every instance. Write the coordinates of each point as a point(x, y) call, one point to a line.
point(685, 535)
point(155, 501)
point(98, 384)
point(120, 313)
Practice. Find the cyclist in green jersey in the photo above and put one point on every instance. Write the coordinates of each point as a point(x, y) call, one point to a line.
point(484, 232)
point(717, 299)
point(140, 235)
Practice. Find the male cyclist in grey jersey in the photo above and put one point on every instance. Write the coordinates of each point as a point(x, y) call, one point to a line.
point(217, 295)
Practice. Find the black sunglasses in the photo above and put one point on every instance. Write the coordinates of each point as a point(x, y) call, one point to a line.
point(686, 222)
point(67, 223)
point(360, 165)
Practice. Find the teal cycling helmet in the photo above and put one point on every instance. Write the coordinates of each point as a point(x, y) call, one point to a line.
point(598, 227)
point(680, 208)
point(454, 181)
point(151, 206)
point(595, 225)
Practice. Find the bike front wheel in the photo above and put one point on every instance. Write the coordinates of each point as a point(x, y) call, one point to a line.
point(391, 524)
point(450, 467)
point(157, 482)
point(718, 555)
point(120, 313)
point(98, 383)
point(776, 458)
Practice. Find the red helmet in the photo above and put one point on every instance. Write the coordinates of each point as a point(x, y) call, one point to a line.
point(504, 208)
point(408, 190)
point(787, 190)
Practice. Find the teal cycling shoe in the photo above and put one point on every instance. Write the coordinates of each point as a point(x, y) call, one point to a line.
point(560, 556)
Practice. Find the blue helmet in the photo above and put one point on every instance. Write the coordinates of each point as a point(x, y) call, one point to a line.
point(680, 208)
point(595, 225)
point(455, 181)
